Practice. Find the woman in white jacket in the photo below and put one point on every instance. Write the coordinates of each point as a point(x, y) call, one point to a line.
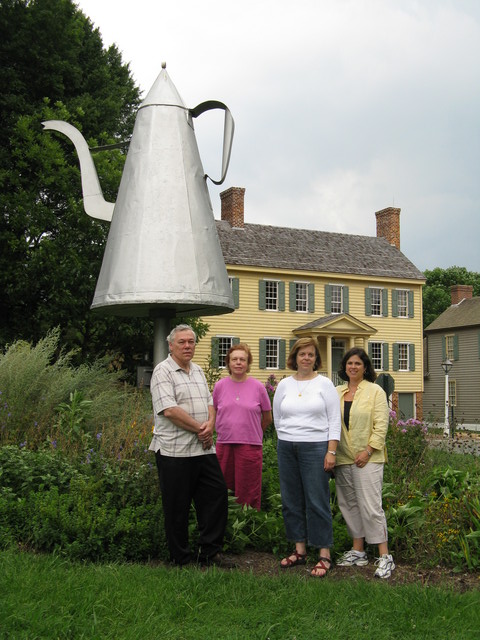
point(306, 413)
point(361, 455)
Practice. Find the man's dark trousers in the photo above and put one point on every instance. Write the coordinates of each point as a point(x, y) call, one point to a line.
point(198, 479)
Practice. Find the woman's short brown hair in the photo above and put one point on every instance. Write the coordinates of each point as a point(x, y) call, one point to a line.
point(301, 343)
point(240, 346)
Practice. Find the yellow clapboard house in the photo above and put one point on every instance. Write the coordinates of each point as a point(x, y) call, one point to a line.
point(345, 290)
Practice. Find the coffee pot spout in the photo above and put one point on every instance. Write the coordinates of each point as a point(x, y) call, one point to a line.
point(94, 203)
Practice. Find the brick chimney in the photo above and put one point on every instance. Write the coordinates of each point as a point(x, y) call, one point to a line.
point(461, 292)
point(233, 209)
point(388, 225)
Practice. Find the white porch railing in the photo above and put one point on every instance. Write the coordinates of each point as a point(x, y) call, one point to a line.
point(335, 378)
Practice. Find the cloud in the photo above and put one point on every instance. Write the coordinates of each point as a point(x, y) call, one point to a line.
point(341, 108)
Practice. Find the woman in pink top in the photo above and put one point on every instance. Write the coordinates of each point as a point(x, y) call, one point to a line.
point(243, 413)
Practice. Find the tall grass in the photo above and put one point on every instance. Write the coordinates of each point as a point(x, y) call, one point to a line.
point(44, 400)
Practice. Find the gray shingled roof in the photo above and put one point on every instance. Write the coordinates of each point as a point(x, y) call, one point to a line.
point(464, 314)
point(304, 249)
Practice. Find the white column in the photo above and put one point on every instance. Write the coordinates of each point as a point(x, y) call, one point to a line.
point(329, 356)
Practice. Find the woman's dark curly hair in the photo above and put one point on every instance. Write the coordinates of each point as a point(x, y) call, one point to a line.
point(369, 373)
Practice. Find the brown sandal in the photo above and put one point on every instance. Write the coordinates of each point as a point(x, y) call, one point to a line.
point(300, 558)
point(321, 565)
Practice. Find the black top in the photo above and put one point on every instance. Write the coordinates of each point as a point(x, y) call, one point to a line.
point(347, 405)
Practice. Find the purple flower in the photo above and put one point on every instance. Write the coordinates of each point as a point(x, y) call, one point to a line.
point(99, 435)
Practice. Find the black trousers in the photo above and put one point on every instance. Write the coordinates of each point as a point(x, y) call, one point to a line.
point(198, 479)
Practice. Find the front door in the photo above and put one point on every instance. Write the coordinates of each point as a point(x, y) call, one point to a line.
point(338, 351)
point(406, 407)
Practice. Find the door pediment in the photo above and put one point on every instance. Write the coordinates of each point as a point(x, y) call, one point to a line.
point(338, 324)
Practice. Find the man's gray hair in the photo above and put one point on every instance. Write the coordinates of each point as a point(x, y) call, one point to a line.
point(180, 327)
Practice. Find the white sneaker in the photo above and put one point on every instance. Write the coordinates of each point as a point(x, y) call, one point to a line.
point(353, 558)
point(385, 566)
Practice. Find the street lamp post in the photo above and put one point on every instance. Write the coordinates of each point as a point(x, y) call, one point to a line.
point(446, 366)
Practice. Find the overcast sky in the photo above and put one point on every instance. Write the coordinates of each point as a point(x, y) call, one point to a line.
point(341, 108)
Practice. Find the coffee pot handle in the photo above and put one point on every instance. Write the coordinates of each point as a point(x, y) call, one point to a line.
point(228, 129)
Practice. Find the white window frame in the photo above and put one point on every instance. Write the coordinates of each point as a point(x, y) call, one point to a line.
point(301, 300)
point(271, 301)
point(402, 303)
point(449, 346)
point(223, 349)
point(272, 344)
point(403, 356)
point(376, 305)
point(375, 346)
point(335, 290)
point(452, 393)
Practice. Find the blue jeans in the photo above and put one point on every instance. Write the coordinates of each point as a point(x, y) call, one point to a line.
point(305, 492)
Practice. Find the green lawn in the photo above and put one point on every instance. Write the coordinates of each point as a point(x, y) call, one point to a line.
point(47, 597)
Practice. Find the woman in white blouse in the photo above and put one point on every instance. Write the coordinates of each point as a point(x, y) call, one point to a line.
point(306, 412)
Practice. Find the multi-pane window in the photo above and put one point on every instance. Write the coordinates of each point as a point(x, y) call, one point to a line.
point(376, 301)
point(271, 295)
point(301, 296)
point(402, 302)
point(452, 393)
point(337, 299)
point(403, 356)
point(271, 353)
point(449, 347)
point(376, 353)
point(224, 344)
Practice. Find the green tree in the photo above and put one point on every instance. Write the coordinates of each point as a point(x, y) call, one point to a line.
point(54, 66)
point(436, 292)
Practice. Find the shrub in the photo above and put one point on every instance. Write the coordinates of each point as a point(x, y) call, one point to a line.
point(75, 475)
point(406, 445)
point(86, 523)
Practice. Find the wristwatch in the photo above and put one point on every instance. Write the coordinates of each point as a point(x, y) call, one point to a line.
point(334, 453)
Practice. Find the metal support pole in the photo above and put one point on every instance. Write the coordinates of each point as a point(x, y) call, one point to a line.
point(160, 346)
